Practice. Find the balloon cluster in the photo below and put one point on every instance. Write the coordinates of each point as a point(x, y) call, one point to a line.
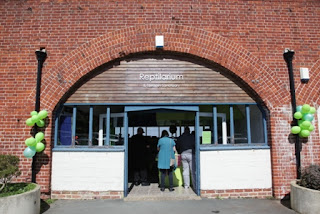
point(37, 118)
point(304, 115)
point(34, 144)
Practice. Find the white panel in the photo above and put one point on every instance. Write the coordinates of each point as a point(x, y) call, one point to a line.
point(236, 169)
point(91, 171)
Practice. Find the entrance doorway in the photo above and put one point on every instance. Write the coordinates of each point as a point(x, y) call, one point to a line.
point(153, 120)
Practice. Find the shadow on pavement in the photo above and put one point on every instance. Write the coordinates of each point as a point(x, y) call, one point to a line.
point(44, 206)
point(285, 201)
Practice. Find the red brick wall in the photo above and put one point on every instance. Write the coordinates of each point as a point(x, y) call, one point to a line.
point(246, 37)
point(237, 193)
point(83, 195)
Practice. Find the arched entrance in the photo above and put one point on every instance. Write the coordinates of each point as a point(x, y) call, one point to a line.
point(226, 112)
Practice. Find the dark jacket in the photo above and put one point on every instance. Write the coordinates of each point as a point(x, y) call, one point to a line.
point(185, 141)
point(138, 149)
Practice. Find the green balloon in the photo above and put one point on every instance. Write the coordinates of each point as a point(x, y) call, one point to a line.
point(29, 122)
point(305, 124)
point(305, 109)
point(300, 135)
point(305, 133)
point(43, 114)
point(40, 123)
point(312, 110)
point(311, 128)
point(39, 136)
point(300, 122)
point(30, 141)
point(33, 113)
point(295, 129)
point(40, 147)
point(297, 115)
point(35, 118)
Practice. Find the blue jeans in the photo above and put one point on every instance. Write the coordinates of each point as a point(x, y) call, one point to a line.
point(163, 176)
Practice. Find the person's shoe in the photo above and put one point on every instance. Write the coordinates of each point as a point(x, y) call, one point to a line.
point(145, 184)
point(186, 187)
point(162, 189)
point(136, 183)
point(171, 189)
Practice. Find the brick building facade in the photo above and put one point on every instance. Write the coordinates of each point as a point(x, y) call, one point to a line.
point(245, 37)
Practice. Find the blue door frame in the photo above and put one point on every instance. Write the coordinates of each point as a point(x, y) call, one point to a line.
point(144, 108)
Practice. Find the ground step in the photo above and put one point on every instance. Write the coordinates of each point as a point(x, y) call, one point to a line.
point(153, 193)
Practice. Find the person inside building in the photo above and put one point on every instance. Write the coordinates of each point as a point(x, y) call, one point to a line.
point(139, 147)
point(186, 147)
point(167, 149)
point(173, 131)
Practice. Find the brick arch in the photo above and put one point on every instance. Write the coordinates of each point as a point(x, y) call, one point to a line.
point(183, 39)
point(309, 93)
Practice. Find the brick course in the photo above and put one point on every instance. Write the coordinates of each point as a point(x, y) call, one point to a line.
point(237, 193)
point(246, 37)
point(83, 195)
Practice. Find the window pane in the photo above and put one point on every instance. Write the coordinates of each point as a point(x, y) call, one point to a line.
point(65, 126)
point(82, 126)
point(130, 131)
point(240, 124)
point(206, 124)
point(116, 126)
point(223, 123)
point(99, 125)
point(153, 131)
point(256, 123)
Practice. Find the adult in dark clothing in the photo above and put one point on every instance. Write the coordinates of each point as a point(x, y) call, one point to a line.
point(186, 147)
point(139, 153)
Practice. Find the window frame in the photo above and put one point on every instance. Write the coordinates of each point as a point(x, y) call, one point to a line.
point(213, 146)
point(232, 145)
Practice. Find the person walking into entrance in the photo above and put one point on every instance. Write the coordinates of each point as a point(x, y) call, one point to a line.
point(186, 147)
point(166, 148)
point(139, 153)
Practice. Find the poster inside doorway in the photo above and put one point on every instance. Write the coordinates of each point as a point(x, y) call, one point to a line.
point(206, 137)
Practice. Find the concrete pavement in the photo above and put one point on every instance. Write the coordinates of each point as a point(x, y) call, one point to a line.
point(204, 206)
